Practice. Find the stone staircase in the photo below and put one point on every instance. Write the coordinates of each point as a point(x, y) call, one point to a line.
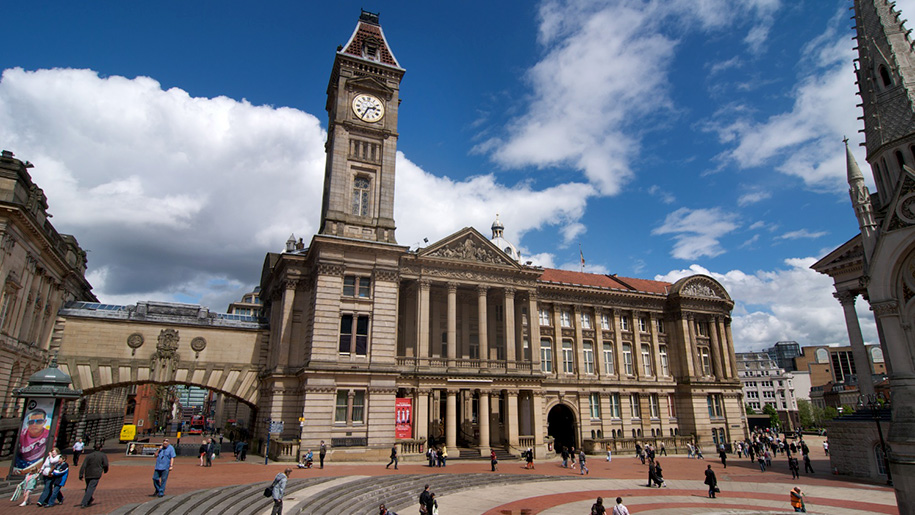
point(355, 495)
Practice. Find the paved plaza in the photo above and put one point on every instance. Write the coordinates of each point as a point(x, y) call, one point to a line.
point(550, 490)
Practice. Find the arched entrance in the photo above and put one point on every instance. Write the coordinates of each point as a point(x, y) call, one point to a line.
point(561, 426)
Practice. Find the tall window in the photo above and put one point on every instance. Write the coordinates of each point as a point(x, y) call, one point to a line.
point(351, 326)
point(702, 328)
point(546, 355)
point(608, 359)
point(665, 364)
point(715, 409)
point(706, 361)
point(646, 360)
point(361, 196)
point(595, 406)
point(348, 408)
point(654, 405)
point(624, 323)
point(627, 359)
point(671, 407)
point(604, 321)
point(567, 357)
point(565, 318)
point(357, 286)
point(634, 405)
point(615, 405)
point(643, 324)
point(585, 321)
point(660, 324)
point(342, 405)
point(358, 406)
point(587, 350)
point(545, 317)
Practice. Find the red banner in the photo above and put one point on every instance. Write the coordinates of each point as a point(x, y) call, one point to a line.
point(403, 418)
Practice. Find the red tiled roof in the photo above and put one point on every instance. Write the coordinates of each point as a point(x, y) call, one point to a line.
point(552, 275)
point(363, 33)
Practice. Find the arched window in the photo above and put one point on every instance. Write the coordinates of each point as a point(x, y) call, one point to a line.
point(877, 355)
point(639, 432)
point(599, 435)
point(593, 434)
point(822, 356)
point(633, 433)
point(885, 78)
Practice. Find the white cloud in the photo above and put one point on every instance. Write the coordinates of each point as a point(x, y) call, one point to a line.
point(665, 196)
point(179, 198)
point(697, 231)
point(791, 303)
point(753, 197)
point(801, 234)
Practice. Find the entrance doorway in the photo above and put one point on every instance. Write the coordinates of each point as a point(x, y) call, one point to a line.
point(561, 426)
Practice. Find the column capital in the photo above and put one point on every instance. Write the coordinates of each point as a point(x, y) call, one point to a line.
point(452, 287)
point(532, 295)
point(689, 316)
point(845, 297)
point(425, 284)
point(509, 292)
point(482, 289)
point(453, 391)
point(885, 308)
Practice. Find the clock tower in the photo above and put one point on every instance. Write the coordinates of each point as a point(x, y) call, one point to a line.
point(362, 101)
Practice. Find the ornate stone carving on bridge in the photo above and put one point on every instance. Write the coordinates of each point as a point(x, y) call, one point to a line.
point(164, 362)
point(135, 341)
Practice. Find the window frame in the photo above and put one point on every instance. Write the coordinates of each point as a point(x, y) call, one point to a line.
point(587, 352)
point(594, 405)
point(665, 360)
point(568, 357)
point(646, 359)
point(628, 366)
point(546, 355)
point(609, 365)
point(357, 286)
point(615, 409)
point(635, 406)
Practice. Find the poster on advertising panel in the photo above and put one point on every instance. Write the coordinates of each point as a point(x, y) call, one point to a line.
point(403, 418)
point(34, 436)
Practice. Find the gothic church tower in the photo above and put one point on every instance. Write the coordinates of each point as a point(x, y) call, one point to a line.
point(362, 102)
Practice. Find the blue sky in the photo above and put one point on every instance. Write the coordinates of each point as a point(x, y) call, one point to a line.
point(180, 142)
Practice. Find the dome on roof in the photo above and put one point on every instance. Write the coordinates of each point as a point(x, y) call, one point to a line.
point(499, 241)
point(497, 228)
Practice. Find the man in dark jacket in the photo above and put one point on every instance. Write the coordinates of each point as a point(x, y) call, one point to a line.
point(93, 467)
point(711, 481)
point(425, 501)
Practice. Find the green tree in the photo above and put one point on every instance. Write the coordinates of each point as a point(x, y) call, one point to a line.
point(770, 410)
point(805, 413)
point(749, 409)
point(830, 413)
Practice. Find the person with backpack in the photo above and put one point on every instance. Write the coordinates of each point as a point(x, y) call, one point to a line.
point(620, 508)
point(598, 507)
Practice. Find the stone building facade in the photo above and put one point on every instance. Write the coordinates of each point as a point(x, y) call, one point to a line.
point(485, 351)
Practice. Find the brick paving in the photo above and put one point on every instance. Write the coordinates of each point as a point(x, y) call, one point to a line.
point(743, 486)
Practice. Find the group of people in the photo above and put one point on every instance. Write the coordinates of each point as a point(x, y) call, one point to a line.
point(619, 508)
point(53, 475)
point(208, 451)
point(437, 456)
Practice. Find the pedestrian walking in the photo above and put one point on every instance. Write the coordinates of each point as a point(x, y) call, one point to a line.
point(529, 458)
point(393, 457)
point(652, 474)
point(565, 457)
point(659, 474)
point(47, 467)
point(26, 487)
point(826, 447)
point(609, 456)
point(211, 452)
point(243, 454)
point(58, 481)
point(724, 456)
point(761, 460)
point(581, 461)
point(797, 500)
point(94, 466)
point(662, 451)
point(711, 481)
point(279, 490)
point(425, 501)
point(384, 511)
point(202, 452)
point(79, 446)
point(322, 453)
point(493, 461)
point(620, 508)
point(165, 461)
point(808, 468)
point(794, 467)
point(598, 507)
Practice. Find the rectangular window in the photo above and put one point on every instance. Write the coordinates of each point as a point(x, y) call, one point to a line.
point(715, 409)
point(595, 406)
point(627, 359)
point(646, 360)
point(358, 406)
point(624, 323)
point(634, 405)
point(706, 361)
point(545, 317)
point(585, 321)
point(665, 364)
point(654, 405)
point(350, 324)
point(567, 357)
point(604, 322)
point(615, 405)
point(587, 350)
point(362, 335)
point(671, 407)
point(660, 324)
point(361, 196)
point(643, 324)
point(608, 359)
point(546, 355)
point(565, 319)
point(341, 406)
point(354, 286)
point(346, 333)
point(702, 328)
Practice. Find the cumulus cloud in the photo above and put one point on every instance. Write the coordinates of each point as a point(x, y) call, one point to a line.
point(697, 232)
point(789, 303)
point(179, 198)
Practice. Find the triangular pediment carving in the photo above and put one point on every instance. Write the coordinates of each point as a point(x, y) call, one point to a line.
point(901, 210)
point(468, 245)
point(700, 286)
point(370, 84)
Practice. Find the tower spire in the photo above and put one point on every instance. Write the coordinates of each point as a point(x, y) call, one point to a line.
point(861, 201)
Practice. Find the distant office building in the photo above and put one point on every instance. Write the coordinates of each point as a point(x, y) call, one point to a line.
point(764, 382)
point(250, 304)
point(783, 353)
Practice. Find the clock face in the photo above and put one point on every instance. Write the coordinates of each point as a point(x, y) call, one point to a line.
point(368, 108)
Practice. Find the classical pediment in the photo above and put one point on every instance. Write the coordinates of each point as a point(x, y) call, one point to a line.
point(901, 210)
point(700, 286)
point(468, 245)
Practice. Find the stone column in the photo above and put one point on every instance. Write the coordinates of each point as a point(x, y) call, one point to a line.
point(636, 346)
point(510, 326)
point(858, 351)
point(656, 346)
point(534, 318)
point(451, 419)
point(695, 369)
point(539, 426)
point(732, 357)
point(557, 339)
point(482, 336)
point(422, 320)
point(616, 319)
point(421, 415)
point(511, 418)
point(452, 324)
point(484, 422)
point(715, 348)
point(729, 372)
point(578, 341)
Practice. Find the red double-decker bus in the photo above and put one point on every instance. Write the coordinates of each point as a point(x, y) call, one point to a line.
point(196, 426)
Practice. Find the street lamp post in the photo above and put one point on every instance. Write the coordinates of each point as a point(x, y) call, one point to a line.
point(873, 403)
